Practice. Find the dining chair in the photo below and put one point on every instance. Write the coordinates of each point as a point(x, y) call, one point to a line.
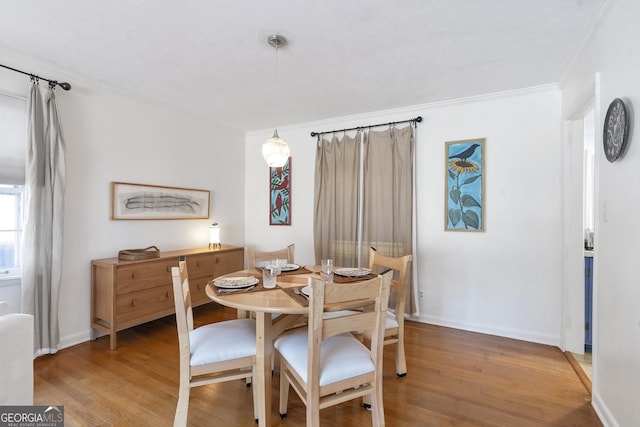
point(394, 327)
point(260, 258)
point(326, 364)
point(213, 353)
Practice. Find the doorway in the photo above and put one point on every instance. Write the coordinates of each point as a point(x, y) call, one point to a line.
point(588, 222)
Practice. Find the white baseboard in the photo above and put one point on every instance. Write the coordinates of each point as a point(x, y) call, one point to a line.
point(606, 417)
point(484, 329)
point(71, 340)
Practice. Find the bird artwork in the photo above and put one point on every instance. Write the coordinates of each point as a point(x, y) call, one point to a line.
point(465, 187)
point(280, 187)
point(279, 204)
point(465, 154)
point(283, 184)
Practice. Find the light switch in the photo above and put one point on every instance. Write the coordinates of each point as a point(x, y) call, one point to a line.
point(603, 211)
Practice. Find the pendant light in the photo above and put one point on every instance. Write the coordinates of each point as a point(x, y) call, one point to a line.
point(275, 149)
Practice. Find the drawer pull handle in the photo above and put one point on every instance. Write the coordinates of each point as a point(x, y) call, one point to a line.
point(133, 274)
point(168, 269)
point(167, 294)
point(133, 303)
point(197, 263)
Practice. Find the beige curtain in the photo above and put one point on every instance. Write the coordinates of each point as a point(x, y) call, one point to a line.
point(387, 221)
point(336, 199)
point(387, 198)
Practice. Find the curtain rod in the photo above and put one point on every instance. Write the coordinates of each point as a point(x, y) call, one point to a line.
point(415, 120)
point(52, 83)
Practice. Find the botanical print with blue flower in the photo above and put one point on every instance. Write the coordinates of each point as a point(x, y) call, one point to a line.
point(465, 185)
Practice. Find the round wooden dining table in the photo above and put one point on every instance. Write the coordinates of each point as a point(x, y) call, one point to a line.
point(291, 308)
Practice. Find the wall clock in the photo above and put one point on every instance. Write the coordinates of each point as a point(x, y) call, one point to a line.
point(616, 130)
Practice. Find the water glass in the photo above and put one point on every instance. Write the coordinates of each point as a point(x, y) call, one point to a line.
point(277, 264)
point(269, 276)
point(326, 274)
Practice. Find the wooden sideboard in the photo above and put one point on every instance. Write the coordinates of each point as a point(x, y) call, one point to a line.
point(128, 293)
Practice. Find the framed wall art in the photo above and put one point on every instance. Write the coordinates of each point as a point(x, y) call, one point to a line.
point(140, 201)
point(464, 185)
point(280, 194)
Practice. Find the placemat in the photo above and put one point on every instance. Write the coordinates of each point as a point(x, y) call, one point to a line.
point(344, 279)
point(301, 270)
point(300, 299)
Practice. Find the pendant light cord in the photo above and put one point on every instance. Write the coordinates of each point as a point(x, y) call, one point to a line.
point(276, 95)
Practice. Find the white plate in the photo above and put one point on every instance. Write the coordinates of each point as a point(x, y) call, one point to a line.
point(306, 290)
point(289, 267)
point(286, 267)
point(352, 272)
point(235, 282)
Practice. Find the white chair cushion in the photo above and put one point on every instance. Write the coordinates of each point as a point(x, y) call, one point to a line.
point(341, 356)
point(391, 321)
point(221, 341)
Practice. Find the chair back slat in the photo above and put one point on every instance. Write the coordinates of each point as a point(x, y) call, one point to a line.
point(338, 293)
point(354, 322)
point(254, 256)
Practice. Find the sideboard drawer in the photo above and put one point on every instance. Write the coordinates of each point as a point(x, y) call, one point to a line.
point(140, 306)
point(141, 276)
point(227, 262)
point(197, 287)
point(200, 265)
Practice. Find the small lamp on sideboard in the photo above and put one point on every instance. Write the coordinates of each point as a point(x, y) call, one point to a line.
point(214, 236)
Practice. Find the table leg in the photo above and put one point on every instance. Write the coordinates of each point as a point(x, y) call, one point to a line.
point(264, 346)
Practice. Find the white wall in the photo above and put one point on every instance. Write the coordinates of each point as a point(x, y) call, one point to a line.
point(614, 55)
point(506, 280)
point(112, 137)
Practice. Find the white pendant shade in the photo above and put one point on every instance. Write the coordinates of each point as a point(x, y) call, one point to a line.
point(275, 151)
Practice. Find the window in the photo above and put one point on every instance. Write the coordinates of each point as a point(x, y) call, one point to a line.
point(11, 214)
point(13, 119)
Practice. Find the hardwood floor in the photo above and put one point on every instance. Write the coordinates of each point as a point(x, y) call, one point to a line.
point(456, 378)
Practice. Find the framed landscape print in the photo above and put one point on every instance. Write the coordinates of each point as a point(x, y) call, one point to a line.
point(280, 194)
point(140, 201)
point(464, 185)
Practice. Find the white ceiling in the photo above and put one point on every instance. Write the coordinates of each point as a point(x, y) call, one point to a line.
point(210, 57)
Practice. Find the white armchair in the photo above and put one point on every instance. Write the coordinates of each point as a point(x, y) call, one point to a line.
point(16, 357)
